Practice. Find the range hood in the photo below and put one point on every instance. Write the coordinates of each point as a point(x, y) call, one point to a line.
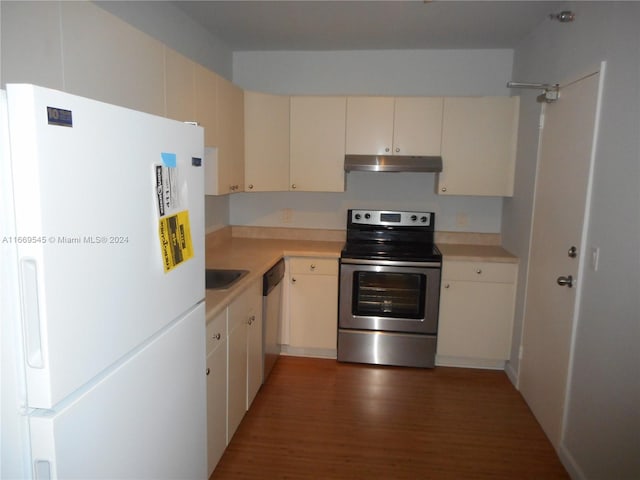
point(392, 163)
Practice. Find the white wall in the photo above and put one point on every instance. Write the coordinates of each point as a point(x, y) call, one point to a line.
point(366, 190)
point(602, 430)
point(385, 72)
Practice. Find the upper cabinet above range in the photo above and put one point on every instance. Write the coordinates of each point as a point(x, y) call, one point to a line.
point(394, 126)
point(479, 139)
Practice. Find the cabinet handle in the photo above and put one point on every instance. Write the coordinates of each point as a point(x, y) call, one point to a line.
point(217, 336)
point(443, 189)
point(251, 186)
point(208, 371)
point(293, 185)
point(479, 271)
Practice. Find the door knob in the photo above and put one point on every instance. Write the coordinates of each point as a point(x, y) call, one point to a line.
point(566, 281)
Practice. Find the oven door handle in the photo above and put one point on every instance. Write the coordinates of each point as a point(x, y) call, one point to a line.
point(389, 263)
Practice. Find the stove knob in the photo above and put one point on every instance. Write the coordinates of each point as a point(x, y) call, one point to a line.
point(367, 216)
point(414, 218)
point(358, 216)
point(423, 219)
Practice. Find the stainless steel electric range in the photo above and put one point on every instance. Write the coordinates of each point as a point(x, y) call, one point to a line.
point(389, 289)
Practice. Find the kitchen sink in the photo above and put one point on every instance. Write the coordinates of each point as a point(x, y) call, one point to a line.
point(219, 279)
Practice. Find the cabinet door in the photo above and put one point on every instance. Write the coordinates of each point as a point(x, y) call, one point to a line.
point(237, 373)
point(216, 404)
point(254, 356)
point(107, 59)
point(266, 141)
point(179, 87)
point(313, 304)
point(206, 103)
point(369, 125)
point(475, 319)
point(478, 146)
point(230, 137)
point(417, 127)
point(317, 143)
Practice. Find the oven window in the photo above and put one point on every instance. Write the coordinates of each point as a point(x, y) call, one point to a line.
point(393, 295)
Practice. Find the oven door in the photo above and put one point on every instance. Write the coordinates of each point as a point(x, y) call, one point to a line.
point(392, 297)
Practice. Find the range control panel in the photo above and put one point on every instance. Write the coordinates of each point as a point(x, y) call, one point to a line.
point(389, 217)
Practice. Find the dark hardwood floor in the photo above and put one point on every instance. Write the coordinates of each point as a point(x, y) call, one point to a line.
point(320, 419)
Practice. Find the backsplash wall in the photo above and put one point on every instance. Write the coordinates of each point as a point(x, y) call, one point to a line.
point(399, 191)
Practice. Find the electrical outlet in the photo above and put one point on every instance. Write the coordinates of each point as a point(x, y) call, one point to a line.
point(287, 215)
point(462, 219)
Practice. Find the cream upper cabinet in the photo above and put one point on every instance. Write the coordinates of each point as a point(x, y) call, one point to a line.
point(369, 125)
point(479, 136)
point(394, 126)
point(180, 96)
point(266, 142)
point(317, 143)
point(107, 59)
point(476, 313)
point(230, 137)
point(206, 103)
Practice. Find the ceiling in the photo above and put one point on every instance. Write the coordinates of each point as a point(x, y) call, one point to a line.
point(369, 25)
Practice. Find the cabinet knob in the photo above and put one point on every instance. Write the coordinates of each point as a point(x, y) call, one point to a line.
point(293, 185)
point(217, 336)
point(386, 149)
point(251, 186)
point(312, 266)
point(208, 371)
point(397, 150)
point(293, 280)
point(447, 286)
point(252, 319)
point(479, 271)
point(443, 189)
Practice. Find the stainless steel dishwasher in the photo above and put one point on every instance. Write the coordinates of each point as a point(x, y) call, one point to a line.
point(272, 311)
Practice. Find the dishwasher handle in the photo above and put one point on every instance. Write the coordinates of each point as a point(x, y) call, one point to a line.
point(273, 277)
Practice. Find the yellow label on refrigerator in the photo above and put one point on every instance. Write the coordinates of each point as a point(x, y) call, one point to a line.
point(175, 239)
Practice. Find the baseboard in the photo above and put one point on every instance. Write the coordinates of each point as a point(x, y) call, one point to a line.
point(511, 374)
point(575, 472)
point(309, 352)
point(466, 362)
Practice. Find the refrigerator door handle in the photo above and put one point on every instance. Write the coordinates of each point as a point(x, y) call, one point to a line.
point(31, 312)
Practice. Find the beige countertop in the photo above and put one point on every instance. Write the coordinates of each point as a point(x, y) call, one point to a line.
point(257, 255)
point(476, 253)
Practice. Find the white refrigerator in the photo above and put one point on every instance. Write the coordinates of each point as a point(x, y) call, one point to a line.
point(102, 291)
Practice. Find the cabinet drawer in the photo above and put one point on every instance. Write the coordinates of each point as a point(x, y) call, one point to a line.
point(479, 271)
point(320, 266)
point(216, 331)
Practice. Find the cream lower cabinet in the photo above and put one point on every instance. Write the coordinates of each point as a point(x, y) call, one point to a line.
point(244, 317)
point(216, 389)
point(313, 306)
point(476, 313)
point(479, 138)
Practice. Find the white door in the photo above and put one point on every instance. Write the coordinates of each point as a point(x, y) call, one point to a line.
point(560, 214)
